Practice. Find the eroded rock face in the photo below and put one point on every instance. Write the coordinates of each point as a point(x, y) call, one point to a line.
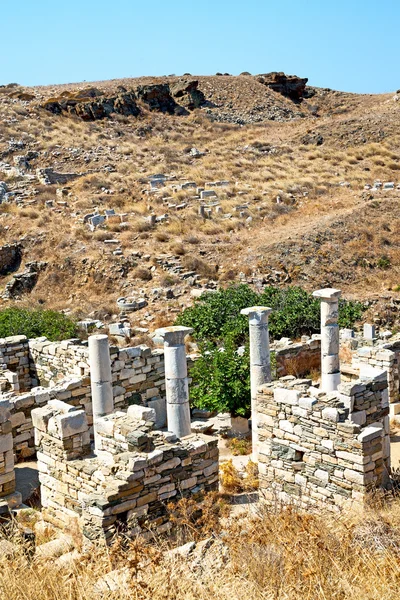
point(91, 104)
point(10, 258)
point(188, 93)
point(287, 85)
point(158, 98)
point(23, 283)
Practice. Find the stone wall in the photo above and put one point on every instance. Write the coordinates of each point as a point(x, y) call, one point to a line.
point(7, 472)
point(126, 487)
point(14, 356)
point(298, 358)
point(138, 372)
point(323, 449)
point(76, 392)
point(381, 358)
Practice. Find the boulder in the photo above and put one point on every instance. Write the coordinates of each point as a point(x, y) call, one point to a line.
point(158, 98)
point(287, 85)
point(188, 93)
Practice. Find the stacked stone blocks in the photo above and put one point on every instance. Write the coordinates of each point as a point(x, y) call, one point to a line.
point(320, 448)
point(126, 487)
point(8, 497)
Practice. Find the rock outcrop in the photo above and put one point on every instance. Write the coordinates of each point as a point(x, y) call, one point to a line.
point(158, 98)
point(23, 283)
point(91, 104)
point(10, 258)
point(287, 85)
point(188, 93)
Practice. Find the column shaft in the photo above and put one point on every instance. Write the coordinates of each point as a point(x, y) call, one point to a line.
point(330, 366)
point(176, 380)
point(260, 362)
point(100, 378)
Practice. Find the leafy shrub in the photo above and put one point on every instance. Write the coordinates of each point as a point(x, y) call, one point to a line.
point(36, 323)
point(221, 380)
point(294, 312)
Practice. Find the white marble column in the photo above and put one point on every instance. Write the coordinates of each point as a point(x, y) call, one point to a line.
point(100, 378)
point(260, 362)
point(330, 367)
point(176, 380)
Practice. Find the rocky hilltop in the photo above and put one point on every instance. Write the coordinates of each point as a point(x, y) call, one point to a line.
point(151, 190)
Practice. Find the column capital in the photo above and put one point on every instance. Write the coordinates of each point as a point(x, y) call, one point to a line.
point(328, 294)
point(175, 335)
point(256, 311)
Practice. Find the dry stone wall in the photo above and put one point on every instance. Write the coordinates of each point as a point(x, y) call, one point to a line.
point(126, 487)
point(14, 357)
point(137, 372)
point(298, 358)
point(35, 371)
point(323, 449)
point(75, 392)
point(382, 358)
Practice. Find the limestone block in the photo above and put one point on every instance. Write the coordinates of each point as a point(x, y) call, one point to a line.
point(375, 430)
point(70, 424)
point(6, 443)
point(330, 414)
point(285, 396)
point(142, 413)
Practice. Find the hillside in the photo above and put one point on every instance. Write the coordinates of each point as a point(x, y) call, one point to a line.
point(289, 164)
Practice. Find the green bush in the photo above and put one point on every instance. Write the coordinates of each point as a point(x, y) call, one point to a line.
point(36, 323)
point(221, 380)
point(295, 312)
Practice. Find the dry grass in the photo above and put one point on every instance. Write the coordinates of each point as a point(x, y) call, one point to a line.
point(277, 554)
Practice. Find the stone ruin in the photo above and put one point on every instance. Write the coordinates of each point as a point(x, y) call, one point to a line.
point(96, 419)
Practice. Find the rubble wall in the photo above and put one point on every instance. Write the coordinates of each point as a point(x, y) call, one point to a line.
point(386, 359)
point(14, 357)
point(323, 449)
point(75, 392)
point(138, 372)
point(7, 472)
point(299, 359)
point(126, 487)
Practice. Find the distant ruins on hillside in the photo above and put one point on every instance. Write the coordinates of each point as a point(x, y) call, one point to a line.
point(112, 434)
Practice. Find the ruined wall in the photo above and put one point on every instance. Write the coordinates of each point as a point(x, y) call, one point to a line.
point(298, 358)
point(384, 358)
point(7, 472)
point(75, 392)
point(14, 356)
point(323, 449)
point(126, 488)
point(138, 372)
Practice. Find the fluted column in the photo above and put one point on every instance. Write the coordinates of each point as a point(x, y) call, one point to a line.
point(176, 380)
point(330, 366)
point(260, 362)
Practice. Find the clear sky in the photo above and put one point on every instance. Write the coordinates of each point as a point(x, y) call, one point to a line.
point(350, 45)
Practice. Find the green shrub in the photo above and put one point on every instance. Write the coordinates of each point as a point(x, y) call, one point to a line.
point(221, 380)
point(36, 323)
point(295, 312)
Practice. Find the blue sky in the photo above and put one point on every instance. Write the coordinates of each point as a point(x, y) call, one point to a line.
point(347, 45)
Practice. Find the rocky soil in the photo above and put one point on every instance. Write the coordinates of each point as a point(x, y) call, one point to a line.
point(156, 189)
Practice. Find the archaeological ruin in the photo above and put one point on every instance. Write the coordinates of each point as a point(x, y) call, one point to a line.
point(111, 427)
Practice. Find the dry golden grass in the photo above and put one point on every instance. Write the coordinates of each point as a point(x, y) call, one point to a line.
point(276, 554)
